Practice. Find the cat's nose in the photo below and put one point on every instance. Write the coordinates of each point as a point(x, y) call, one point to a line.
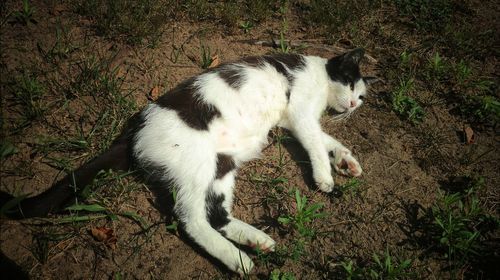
point(353, 104)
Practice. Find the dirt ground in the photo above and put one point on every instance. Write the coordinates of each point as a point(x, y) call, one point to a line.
point(407, 167)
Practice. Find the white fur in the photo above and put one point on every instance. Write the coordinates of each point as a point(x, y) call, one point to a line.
point(189, 156)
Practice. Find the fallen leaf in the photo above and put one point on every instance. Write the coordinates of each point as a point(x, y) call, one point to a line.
point(154, 93)
point(215, 61)
point(104, 235)
point(469, 135)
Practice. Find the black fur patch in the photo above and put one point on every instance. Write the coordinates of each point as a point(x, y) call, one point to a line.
point(344, 69)
point(224, 165)
point(216, 214)
point(291, 61)
point(190, 109)
point(278, 61)
point(232, 76)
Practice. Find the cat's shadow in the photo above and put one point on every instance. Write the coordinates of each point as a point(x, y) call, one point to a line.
point(301, 157)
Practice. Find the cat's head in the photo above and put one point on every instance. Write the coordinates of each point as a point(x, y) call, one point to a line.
point(347, 87)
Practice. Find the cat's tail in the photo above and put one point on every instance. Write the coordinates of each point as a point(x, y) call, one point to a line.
point(63, 192)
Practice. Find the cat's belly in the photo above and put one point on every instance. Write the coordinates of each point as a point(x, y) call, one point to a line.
point(238, 140)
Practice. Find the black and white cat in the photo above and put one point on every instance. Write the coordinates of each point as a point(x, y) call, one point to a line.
point(195, 137)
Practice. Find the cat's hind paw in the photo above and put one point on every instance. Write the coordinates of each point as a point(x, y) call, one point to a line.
point(345, 164)
point(246, 234)
point(244, 264)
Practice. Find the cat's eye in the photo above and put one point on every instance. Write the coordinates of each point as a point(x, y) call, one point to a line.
point(351, 85)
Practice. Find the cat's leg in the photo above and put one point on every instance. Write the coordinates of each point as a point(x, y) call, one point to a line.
point(193, 209)
point(308, 132)
point(220, 217)
point(341, 158)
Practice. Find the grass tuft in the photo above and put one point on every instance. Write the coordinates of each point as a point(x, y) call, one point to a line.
point(133, 21)
point(404, 105)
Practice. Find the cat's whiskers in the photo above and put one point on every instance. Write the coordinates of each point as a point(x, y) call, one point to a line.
point(339, 117)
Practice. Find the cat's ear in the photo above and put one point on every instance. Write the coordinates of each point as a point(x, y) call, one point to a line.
point(355, 55)
point(370, 80)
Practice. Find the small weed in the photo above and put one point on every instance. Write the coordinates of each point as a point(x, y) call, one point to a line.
point(352, 186)
point(63, 45)
point(437, 67)
point(174, 225)
point(277, 257)
point(457, 228)
point(485, 109)
point(283, 45)
point(206, 56)
point(95, 78)
point(462, 73)
point(278, 275)
point(41, 244)
point(28, 92)
point(25, 15)
point(386, 268)
point(40, 249)
point(280, 137)
point(352, 272)
point(404, 105)
point(246, 26)
point(305, 214)
point(457, 220)
point(6, 149)
point(405, 58)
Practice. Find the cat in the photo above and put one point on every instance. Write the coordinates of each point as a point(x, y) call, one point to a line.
point(194, 137)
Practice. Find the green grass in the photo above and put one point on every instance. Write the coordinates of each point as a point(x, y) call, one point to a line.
point(426, 15)
point(28, 96)
point(351, 186)
point(305, 214)
point(381, 267)
point(436, 67)
point(279, 275)
point(459, 225)
point(334, 16)
point(133, 21)
point(246, 26)
point(456, 228)
point(206, 56)
point(7, 149)
point(63, 47)
point(25, 15)
point(404, 105)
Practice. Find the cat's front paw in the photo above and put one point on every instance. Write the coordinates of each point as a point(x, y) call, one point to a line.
point(258, 239)
point(345, 164)
point(325, 185)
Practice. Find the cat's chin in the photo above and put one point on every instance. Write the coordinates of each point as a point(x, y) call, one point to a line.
point(337, 111)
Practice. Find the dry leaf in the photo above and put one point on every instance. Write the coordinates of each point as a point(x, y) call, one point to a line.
point(215, 61)
point(104, 235)
point(469, 135)
point(154, 93)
